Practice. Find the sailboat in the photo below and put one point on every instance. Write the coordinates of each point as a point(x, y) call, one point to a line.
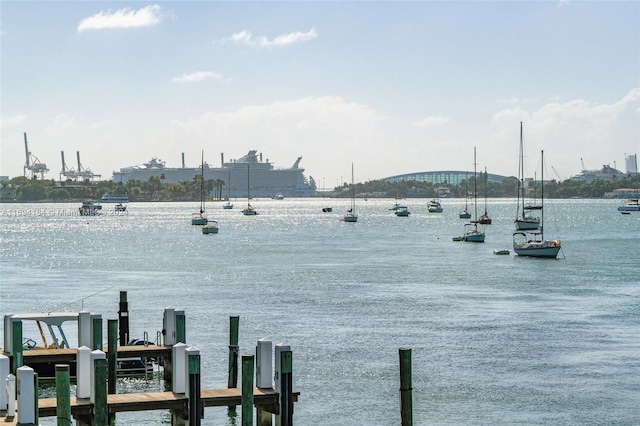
point(228, 206)
point(525, 222)
point(199, 218)
point(351, 215)
point(485, 219)
point(537, 246)
point(471, 232)
point(465, 214)
point(249, 210)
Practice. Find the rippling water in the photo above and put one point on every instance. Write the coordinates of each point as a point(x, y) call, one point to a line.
point(495, 339)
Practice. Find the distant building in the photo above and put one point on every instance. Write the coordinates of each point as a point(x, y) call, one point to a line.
point(631, 164)
point(606, 173)
point(450, 177)
point(623, 193)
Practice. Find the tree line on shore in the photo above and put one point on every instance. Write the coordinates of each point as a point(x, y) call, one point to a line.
point(26, 189)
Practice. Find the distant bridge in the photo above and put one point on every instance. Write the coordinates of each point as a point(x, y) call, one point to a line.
point(450, 177)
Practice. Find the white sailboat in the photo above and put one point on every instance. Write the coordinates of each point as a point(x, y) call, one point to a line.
point(536, 245)
point(249, 210)
point(228, 206)
point(524, 221)
point(471, 232)
point(351, 215)
point(199, 218)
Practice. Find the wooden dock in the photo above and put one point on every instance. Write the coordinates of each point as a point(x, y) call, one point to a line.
point(266, 399)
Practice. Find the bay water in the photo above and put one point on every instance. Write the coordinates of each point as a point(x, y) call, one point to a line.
point(495, 340)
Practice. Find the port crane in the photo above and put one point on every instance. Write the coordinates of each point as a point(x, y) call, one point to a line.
point(84, 173)
point(67, 172)
point(33, 165)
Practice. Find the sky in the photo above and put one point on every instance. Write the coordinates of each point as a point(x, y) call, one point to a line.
point(390, 87)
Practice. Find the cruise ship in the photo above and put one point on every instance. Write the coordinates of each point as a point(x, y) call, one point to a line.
point(247, 172)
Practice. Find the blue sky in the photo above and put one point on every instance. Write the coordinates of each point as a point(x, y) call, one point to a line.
point(393, 87)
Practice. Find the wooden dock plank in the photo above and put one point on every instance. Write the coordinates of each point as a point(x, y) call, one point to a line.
point(157, 401)
point(67, 355)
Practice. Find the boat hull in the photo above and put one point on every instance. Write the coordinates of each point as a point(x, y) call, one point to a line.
point(527, 224)
point(199, 221)
point(548, 249)
point(210, 229)
point(351, 218)
point(475, 237)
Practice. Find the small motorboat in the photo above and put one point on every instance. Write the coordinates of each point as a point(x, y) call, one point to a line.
point(327, 209)
point(501, 252)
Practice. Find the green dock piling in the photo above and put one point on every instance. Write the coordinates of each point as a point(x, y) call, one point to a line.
point(63, 395)
point(247, 389)
point(100, 408)
point(406, 390)
point(16, 350)
point(112, 353)
point(232, 381)
point(196, 412)
point(181, 327)
point(96, 324)
point(286, 387)
point(123, 319)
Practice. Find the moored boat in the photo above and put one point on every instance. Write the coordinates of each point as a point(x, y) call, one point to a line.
point(434, 206)
point(210, 228)
point(534, 244)
point(632, 205)
point(108, 198)
point(89, 208)
point(351, 215)
point(402, 211)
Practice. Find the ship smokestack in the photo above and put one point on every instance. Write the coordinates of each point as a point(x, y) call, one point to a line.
point(222, 159)
point(261, 157)
point(183, 166)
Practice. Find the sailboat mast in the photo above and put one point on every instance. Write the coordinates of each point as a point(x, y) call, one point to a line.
point(353, 192)
point(542, 195)
point(202, 183)
point(475, 187)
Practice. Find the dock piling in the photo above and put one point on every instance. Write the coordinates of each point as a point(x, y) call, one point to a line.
point(99, 388)
point(406, 390)
point(26, 395)
point(11, 395)
point(96, 335)
point(63, 395)
point(16, 341)
point(232, 380)
point(195, 408)
point(83, 372)
point(123, 319)
point(5, 369)
point(112, 353)
point(264, 377)
point(284, 384)
point(247, 390)
point(181, 327)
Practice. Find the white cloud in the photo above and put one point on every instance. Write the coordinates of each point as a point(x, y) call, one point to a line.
point(124, 18)
point(430, 122)
point(61, 123)
point(16, 120)
point(245, 37)
point(568, 132)
point(195, 77)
